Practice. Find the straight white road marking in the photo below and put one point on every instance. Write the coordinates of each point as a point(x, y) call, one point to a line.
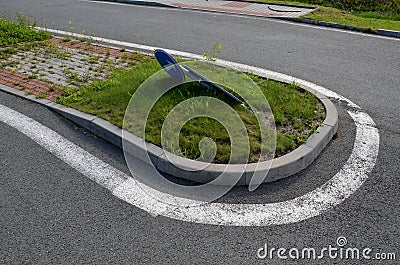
point(87, 164)
point(348, 179)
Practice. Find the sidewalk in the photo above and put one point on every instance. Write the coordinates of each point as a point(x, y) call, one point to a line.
point(232, 7)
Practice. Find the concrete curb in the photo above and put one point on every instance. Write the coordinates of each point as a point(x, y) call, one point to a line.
point(388, 33)
point(380, 32)
point(166, 162)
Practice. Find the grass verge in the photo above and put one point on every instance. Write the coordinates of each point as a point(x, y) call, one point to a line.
point(372, 15)
point(366, 20)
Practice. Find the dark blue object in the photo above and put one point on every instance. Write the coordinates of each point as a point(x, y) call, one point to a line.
point(178, 72)
point(170, 65)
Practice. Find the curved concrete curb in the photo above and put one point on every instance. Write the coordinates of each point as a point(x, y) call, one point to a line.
point(278, 168)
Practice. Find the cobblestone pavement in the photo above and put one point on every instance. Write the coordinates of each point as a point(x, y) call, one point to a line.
point(62, 65)
point(46, 69)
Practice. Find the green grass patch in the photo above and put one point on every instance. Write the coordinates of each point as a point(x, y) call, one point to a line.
point(297, 112)
point(389, 7)
point(370, 20)
point(14, 33)
point(369, 14)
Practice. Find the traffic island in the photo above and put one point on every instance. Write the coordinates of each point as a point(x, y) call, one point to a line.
point(92, 84)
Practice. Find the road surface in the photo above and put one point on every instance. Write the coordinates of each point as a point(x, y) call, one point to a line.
point(50, 213)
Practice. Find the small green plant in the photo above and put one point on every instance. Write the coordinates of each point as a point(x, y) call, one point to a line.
point(73, 78)
point(70, 25)
point(214, 53)
point(63, 54)
point(41, 95)
point(93, 59)
point(32, 76)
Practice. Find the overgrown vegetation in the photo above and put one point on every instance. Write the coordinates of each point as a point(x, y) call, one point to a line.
point(297, 113)
point(14, 33)
point(390, 8)
point(370, 21)
point(369, 14)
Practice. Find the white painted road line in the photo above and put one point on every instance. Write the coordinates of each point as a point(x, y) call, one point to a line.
point(341, 186)
point(352, 175)
point(348, 179)
point(87, 164)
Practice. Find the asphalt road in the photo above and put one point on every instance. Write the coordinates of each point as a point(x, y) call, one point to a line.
point(50, 213)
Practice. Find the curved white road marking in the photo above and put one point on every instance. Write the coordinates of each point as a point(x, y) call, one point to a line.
point(336, 190)
point(349, 178)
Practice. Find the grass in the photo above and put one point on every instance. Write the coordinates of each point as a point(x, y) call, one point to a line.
point(18, 36)
point(297, 113)
point(366, 20)
point(15, 33)
point(369, 14)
